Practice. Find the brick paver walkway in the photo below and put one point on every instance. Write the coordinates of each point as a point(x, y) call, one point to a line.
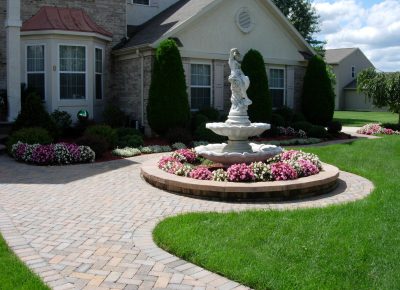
point(89, 226)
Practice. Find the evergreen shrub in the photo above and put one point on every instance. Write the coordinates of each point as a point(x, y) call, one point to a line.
point(318, 98)
point(317, 131)
point(34, 135)
point(97, 143)
point(168, 105)
point(114, 116)
point(254, 67)
point(33, 114)
point(286, 113)
point(104, 131)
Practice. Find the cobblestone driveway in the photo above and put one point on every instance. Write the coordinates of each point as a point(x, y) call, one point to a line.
point(89, 226)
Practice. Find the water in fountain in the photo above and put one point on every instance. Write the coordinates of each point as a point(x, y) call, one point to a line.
point(238, 127)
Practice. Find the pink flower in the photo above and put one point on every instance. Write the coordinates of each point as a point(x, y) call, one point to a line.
point(283, 171)
point(201, 173)
point(185, 155)
point(307, 168)
point(240, 173)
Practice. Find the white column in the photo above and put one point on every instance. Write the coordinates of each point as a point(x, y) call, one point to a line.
point(13, 27)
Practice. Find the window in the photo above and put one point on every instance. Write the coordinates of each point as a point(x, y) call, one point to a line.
point(200, 86)
point(72, 72)
point(353, 72)
point(143, 2)
point(35, 69)
point(99, 73)
point(277, 87)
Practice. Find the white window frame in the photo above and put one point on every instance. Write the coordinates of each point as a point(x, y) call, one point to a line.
point(284, 82)
point(59, 72)
point(211, 86)
point(36, 72)
point(96, 73)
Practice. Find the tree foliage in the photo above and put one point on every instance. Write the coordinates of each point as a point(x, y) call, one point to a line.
point(303, 16)
point(382, 88)
point(253, 66)
point(168, 105)
point(318, 98)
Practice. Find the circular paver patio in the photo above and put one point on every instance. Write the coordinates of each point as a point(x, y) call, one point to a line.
point(89, 226)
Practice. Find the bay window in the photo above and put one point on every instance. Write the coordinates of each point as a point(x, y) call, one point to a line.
point(72, 72)
point(200, 86)
point(277, 87)
point(35, 69)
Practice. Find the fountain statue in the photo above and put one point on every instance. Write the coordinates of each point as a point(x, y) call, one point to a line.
point(238, 127)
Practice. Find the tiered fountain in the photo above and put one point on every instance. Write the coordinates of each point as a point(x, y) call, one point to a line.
point(238, 127)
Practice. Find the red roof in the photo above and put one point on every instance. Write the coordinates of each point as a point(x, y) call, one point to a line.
point(67, 19)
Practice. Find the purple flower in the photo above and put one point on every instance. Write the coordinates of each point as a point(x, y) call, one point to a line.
point(43, 155)
point(240, 173)
point(283, 171)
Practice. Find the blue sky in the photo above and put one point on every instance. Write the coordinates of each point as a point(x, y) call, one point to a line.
point(372, 25)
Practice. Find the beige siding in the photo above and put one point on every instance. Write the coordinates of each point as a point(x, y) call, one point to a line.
point(354, 101)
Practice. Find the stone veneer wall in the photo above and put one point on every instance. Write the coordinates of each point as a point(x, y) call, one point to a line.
point(299, 73)
point(127, 86)
point(111, 15)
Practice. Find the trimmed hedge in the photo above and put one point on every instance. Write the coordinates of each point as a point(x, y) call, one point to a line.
point(318, 98)
point(254, 67)
point(29, 136)
point(168, 105)
point(103, 131)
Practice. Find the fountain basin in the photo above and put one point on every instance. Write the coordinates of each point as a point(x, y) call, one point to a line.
point(227, 154)
point(238, 132)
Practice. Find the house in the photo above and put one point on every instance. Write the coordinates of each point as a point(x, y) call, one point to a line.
point(83, 54)
point(346, 64)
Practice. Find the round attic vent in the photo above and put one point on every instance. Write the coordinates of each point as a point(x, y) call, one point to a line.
point(245, 20)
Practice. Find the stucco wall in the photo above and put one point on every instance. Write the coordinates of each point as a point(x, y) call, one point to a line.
point(111, 15)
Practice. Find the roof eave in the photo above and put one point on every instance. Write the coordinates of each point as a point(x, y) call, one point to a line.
point(69, 33)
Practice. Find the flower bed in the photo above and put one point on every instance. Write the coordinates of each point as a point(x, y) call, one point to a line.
point(375, 129)
point(288, 165)
point(52, 154)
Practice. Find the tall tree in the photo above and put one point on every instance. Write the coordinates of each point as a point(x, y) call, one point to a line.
point(253, 66)
point(318, 99)
point(303, 16)
point(168, 105)
point(382, 88)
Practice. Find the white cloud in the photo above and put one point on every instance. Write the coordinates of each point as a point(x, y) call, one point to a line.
point(376, 30)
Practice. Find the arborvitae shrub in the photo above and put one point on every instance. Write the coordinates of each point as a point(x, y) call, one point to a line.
point(254, 67)
point(318, 99)
point(33, 114)
point(168, 105)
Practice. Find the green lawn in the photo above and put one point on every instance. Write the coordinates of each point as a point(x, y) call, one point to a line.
point(14, 275)
point(353, 246)
point(359, 119)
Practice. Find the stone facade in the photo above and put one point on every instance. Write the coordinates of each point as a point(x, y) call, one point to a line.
point(111, 15)
point(127, 87)
point(299, 73)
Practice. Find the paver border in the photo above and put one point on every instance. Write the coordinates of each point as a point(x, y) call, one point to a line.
point(319, 184)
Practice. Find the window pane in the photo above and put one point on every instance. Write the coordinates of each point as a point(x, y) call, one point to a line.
point(201, 75)
point(144, 2)
point(72, 58)
point(36, 83)
point(278, 96)
point(35, 58)
point(200, 98)
point(99, 60)
point(72, 86)
point(277, 78)
point(99, 87)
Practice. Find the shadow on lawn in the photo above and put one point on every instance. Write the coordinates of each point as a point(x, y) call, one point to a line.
point(355, 122)
point(12, 172)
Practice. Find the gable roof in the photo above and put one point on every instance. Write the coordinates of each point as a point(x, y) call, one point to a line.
point(65, 19)
point(335, 56)
point(166, 21)
point(184, 12)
